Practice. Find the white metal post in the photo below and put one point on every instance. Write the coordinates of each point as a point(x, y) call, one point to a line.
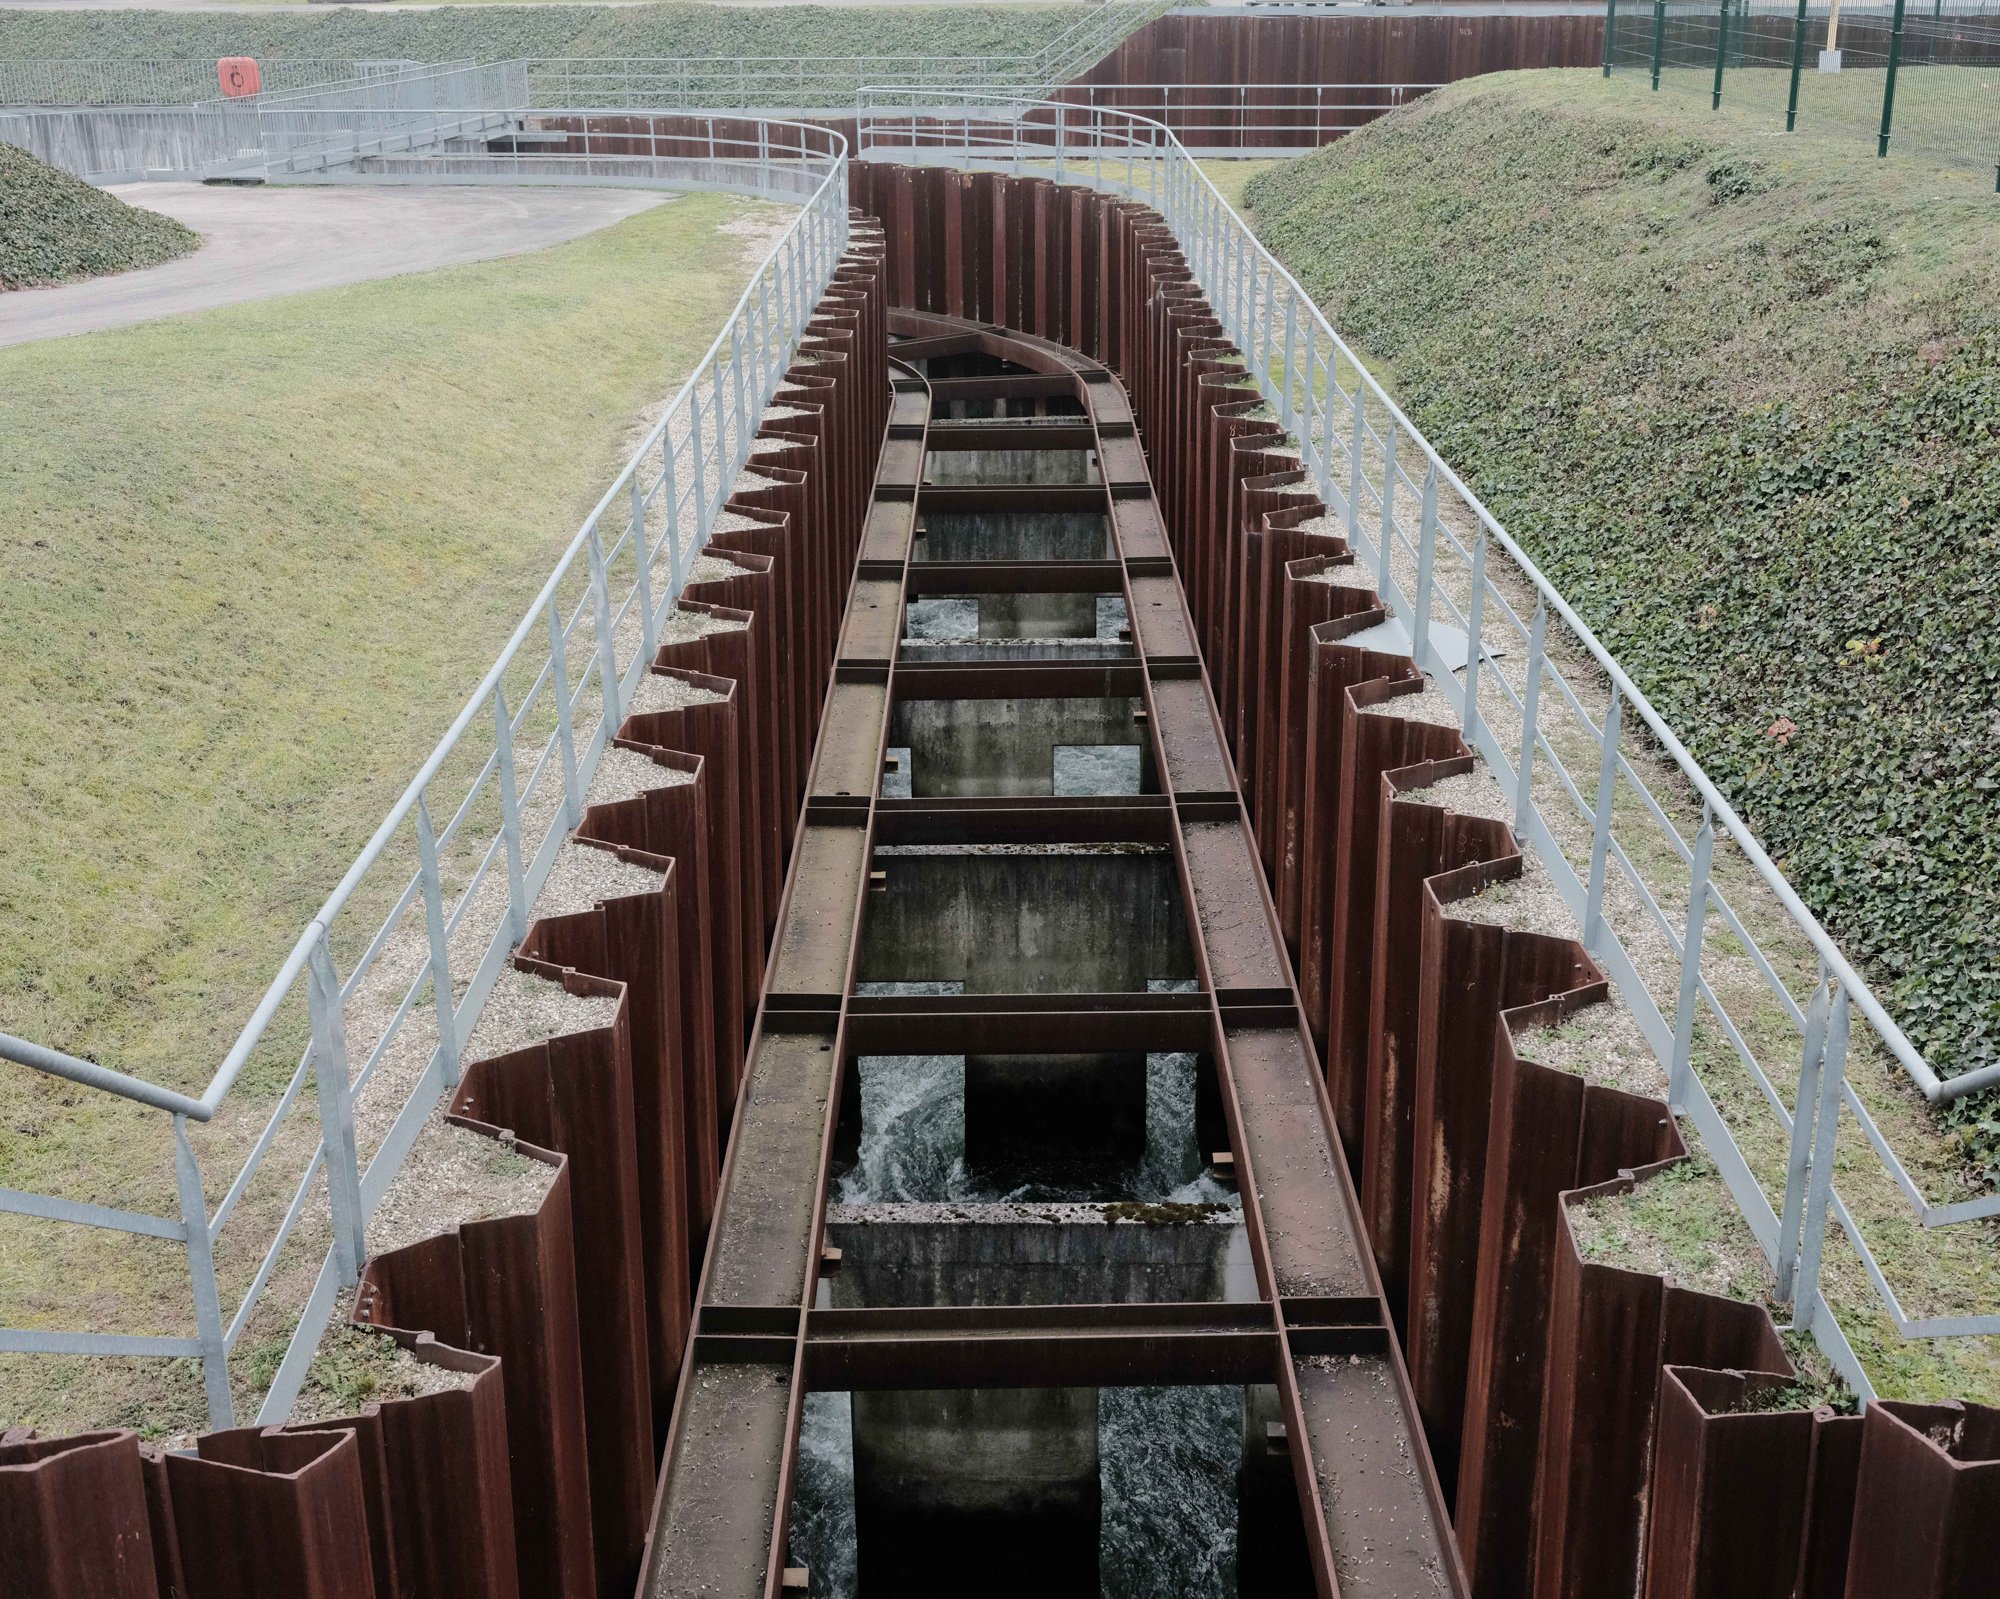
point(336, 1111)
point(441, 989)
point(1475, 646)
point(201, 1275)
point(1531, 705)
point(1420, 609)
point(607, 651)
point(1819, 1191)
point(565, 738)
point(1697, 917)
point(510, 816)
point(1600, 837)
point(1805, 1108)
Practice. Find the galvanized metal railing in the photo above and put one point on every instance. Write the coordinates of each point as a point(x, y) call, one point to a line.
point(168, 82)
point(1567, 732)
point(379, 993)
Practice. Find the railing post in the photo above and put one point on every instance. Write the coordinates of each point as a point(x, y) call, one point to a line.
point(336, 1111)
point(607, 651)
point(1798, 63)
point(1819, 1189)
point(1804, 1112)
point(1682, 1065)
point(1475, 644)
point(565, 738)
point(1889, 82)
point(642, 547)
point(1358, 434)
point(1427, 531)
point(441, 988)
point(201, 1276)
point(1531, 709)
point(1659, 37)
point(510, 816)
point(1600, 827)
point(1610, 28)
point(1385, 576)
point(1721, 55)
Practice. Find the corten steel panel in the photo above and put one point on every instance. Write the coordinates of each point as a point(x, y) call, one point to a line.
point(673, 821)
point(264, 1513)
point(792, 547)
point(506, 1286)
point(828, 869)
point(573, 1094)
point(739, 653)
point(1414, 841)
point(1316, 668)
point(1727, 1515)
point(1609, 1332)
point(855, 708)
point(73, 1519)
point(434, 1468)
point(1365, 747)
point(756, 592)
point(1549, 1131)
point(1927, 1502)
point(1470, 973)
point(1266, 550)
point(1257, 465)
point(634, 940)
point(874, 621)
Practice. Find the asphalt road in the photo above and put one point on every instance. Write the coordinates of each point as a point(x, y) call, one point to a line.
point(261, 243)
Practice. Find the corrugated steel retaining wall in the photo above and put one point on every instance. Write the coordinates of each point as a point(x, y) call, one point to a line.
point(1585, 1413)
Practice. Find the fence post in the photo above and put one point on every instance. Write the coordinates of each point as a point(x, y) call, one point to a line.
point(1600, 837)
point(1427, 529)
point(642, 546)
point(336, 1111)
point(1804, 1108)
point(1531, 710)
point(1889, 82)
point(1359, 433)
point(1659, 37)
point(565, 737)
point(1819, 1190)
point(1798, 63)
point(607, 652)
point(441, 990)
point(510, 815)
point(1682, 1065)
point(1721, 55)
point(1475, 647)
point(1385, 577)
point(201, 1275)
point(1610, 27)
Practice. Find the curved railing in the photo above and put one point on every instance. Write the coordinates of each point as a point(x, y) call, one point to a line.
point(385, 982)
point(1565, 729)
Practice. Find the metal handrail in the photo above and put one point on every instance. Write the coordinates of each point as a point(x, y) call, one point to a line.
point(675, 481)
point(1365, 454)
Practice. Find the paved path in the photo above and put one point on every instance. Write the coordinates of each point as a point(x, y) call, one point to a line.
point(267, 242)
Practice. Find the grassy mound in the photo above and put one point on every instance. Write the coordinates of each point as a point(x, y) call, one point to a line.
point(1740, 397)
point(55, 228)
point(503, 32)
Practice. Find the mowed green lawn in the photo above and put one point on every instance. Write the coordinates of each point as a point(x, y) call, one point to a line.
point(251, 563)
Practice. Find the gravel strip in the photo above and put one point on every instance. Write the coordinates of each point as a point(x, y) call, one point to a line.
point(1601, 1044)
point(356, 1367)
point(452, 1176)
point(1344, 575)
point(713, 569)
point(683, 626)
point(658, 692)
point(1527, 904)
point(779, 413)
point(749, 478)
point(1430, 706)
point(524, 1009)
point(583, 878)
point(1473, 793)
point(626, 774)
point(727, 521)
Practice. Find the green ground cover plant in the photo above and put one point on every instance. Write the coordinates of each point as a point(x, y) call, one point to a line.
point(255, 559)
point(504, 32)
point(1739, 395)
point(55, 228)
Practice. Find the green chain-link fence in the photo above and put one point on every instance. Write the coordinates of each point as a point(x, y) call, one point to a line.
point(1921, 77)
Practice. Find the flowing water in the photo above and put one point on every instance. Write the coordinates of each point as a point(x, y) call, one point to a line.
point(1167, 1460)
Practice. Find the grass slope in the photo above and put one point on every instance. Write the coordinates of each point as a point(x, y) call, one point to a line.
point(55, 228)
point(1740, 397)
point(255, 559)
point(502, 32)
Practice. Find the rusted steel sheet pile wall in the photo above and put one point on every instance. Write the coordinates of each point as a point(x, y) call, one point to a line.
point(571, 1320)
point(1586, 1415)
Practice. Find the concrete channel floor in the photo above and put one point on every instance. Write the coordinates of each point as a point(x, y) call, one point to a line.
point(263, 243)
